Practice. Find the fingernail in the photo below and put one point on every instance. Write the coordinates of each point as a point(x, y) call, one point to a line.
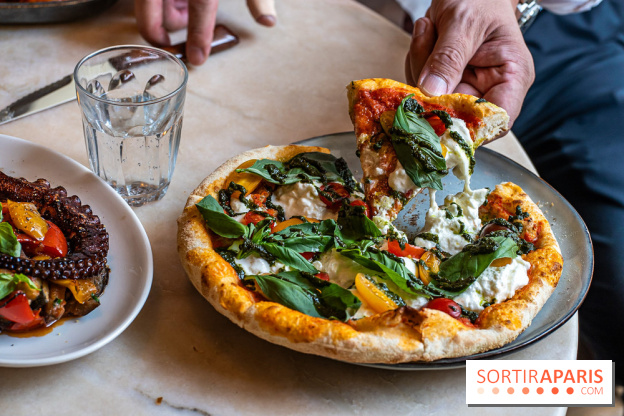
point(266, 20)
point(196, 55)
point(433, 85)
point(419, 26)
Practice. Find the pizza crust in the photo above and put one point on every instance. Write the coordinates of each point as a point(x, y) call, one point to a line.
point(402, 335)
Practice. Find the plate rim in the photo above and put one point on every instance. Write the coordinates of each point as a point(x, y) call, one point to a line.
point(460, 362)
point(140, 300)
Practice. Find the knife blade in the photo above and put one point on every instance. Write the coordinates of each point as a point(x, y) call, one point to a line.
point(64, 90)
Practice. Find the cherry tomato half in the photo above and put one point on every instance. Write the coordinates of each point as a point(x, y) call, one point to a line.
point(360, 203)
point(307, 255)
point(490, 228)
point(333, 195)
point(252, 218)
point(445, 305)
point(411, 251)
point(322, 276)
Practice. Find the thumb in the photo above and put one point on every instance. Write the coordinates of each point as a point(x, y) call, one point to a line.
point(444, 68)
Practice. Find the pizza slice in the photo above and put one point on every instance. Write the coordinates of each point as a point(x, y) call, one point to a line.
point(407, 141)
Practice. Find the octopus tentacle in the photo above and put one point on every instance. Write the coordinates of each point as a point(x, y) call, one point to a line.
point(86, 235)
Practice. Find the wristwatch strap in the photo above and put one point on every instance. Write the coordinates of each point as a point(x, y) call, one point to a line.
point(526, 12)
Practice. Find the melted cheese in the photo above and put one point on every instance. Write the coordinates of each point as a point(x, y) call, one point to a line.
point(456, 157)
point(341, 270)
point(495, 285)
point(400, 182)
point(302, 199)
point(447, 222)
point(254, 265)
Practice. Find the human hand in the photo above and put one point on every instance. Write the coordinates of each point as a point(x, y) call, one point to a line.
point(471, 47)
point(155, 18)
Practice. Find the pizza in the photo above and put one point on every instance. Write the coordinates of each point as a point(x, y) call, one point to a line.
point(444, 133)
point(283, 241)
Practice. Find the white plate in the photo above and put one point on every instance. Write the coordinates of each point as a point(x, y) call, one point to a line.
point(129, 258)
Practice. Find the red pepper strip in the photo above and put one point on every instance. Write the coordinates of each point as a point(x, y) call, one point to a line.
point(30, 246)
point(54, 242)
point(35, 323)
point(17, 309)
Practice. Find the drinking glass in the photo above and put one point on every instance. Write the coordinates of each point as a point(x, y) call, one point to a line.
point(132, 98)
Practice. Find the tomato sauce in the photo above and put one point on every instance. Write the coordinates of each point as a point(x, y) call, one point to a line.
point(370, 105)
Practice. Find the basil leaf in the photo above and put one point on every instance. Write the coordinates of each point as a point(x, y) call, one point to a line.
point(273, 171)
point(1, 212)
point(355, 225)
point(218, 221)
point(287, 293)
point(9, 282)
point(458, 272)
point(306, 237)
point(261, 231)
point(309, 295)
point(304, 166)
point(388, 268)
point(418, 148)
point(8, 241)
point(289, 258)
point(315, 244)
point(338, 303)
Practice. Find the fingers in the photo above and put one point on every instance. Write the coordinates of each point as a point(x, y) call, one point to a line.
point(423, 41)
point(175, 14)
point(149, 16)
point(263, 11)
point(454, 48)
point(202, 15)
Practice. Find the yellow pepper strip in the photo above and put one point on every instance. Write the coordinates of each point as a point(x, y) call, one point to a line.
point(81, 289)
point(372, 295)
point(26, 218)
point(248, 180)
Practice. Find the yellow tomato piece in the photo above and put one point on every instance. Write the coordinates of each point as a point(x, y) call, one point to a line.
point(501, 262)
point(81, 289)
point(293, 221)
point(27, 219)
point(248, 180)
point(40, 257)
point(372, 295)
point(444, 149)
point(429, 264)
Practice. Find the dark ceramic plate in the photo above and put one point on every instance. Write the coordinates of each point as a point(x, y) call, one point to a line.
point(51, 11)
point(491, 169)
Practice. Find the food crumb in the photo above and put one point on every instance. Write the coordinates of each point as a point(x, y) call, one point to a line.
point(159, 401)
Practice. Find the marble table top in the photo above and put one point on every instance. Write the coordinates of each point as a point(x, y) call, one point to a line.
point(179, 356)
